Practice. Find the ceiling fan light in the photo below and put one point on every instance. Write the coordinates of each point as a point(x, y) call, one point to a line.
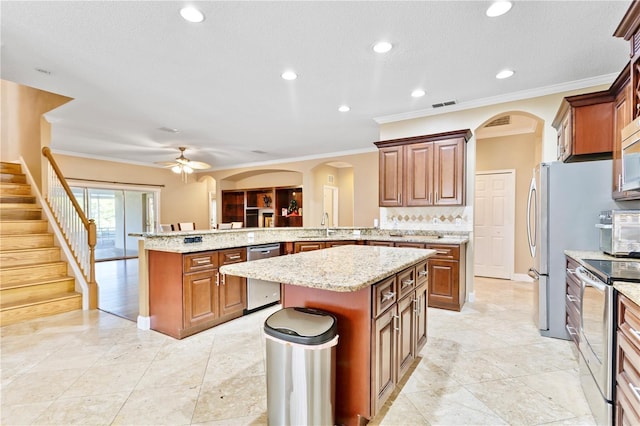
point(176, 169)
point(187, 169)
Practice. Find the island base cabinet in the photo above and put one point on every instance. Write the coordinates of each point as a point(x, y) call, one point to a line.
point(200, 305)
point(379, 337)
point(447, 284)
point(628, 363)
point(384, 343)
point(187, 294)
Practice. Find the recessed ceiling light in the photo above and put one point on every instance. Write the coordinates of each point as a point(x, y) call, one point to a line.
point(498, 8)
point(289, 75)
point(344, 108)
point(192, 14)
point(504, 74)
point(418, 93)
point(382, 47)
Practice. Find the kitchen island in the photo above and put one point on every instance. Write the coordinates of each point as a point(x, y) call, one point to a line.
point(378, 294)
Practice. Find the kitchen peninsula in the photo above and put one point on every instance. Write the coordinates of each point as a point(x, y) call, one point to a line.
point(378, 294)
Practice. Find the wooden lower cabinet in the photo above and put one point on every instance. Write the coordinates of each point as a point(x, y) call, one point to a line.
point(187, 294)
point(572, 301)
point(628, 363)
point(301, 246)
point(447, 285)
point(200, 304)
point(380, 337)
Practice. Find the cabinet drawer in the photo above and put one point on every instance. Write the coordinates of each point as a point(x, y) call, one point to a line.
point(422, 273)
point(329, 244)
point(200, 261)
point(380, 243)
point(628, 370)
point(626, 413)
point(233, 256)
point(629, 320)
point(445, 251)
point(410, 245)
point(384, 295)
point(299, 247)
point(406, 282)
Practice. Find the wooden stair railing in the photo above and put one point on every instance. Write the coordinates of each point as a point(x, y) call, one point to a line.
point(79, 232)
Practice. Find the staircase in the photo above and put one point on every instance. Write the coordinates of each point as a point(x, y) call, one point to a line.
point(34, 281)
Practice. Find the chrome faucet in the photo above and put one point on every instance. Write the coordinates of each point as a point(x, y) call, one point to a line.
point(325, 223)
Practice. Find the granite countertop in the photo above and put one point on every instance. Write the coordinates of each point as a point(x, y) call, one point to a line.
point(223, 239)
point(341, 269)
point(630, 290)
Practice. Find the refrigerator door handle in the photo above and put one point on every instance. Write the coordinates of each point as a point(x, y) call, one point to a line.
point(532, 202)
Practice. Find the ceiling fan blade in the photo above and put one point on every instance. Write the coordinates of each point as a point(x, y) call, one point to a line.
point(166, 163)
point(198, 165)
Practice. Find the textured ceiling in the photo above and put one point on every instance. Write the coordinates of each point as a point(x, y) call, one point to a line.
point(136, 66)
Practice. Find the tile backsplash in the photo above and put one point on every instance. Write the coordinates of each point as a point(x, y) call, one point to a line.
point(458, 218)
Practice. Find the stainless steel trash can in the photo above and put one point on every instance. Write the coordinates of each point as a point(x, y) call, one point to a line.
point(301, 366)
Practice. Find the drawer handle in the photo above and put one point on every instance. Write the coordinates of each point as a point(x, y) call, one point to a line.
point(635, 332)
point(442, 252)
point(571, 271)
point(234, 257)
point(388, 296)
point(572, 331)
point(423, 273)
point(572, 298)
point(635, 390)
point(406, 283)
point(202, 261)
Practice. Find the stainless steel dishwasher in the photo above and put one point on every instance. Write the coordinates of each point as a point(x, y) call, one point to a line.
point(262, 293)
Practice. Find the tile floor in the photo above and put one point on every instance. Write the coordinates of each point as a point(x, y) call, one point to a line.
point(484, 365)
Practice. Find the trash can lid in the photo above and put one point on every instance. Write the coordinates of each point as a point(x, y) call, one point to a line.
point(306, 326)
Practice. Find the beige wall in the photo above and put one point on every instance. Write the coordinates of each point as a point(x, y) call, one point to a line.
point(364, 174)
point(512, 152)
point(24, 130)
point(345, 196)
point(179, 202)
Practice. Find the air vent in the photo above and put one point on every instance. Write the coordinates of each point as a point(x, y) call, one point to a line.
point(168, 130)
point(443, 104)
point(257, 151)
point(502, 121)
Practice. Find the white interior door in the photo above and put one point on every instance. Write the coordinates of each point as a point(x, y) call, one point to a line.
point(494, 213)
point(330, 204)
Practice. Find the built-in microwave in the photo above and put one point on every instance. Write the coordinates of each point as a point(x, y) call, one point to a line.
point(630, 157)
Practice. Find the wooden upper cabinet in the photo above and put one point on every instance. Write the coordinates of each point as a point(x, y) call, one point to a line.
point(419, 176)
point(449, 172)
point(423, 170)
point(391, 176)
point(585, 127)
point(629, 29)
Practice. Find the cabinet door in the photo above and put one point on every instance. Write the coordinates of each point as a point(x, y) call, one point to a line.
point(233, 294)
point(232, 290)
point(380, 243)
point(621, 117)
point(384, 358)
point(391, 176)
point(443, 284)
point(299, 247)
point(448, 177)
point(406, 335)
point(566, 137)
point(419, 174)
point(200, 298)
point(421, 303)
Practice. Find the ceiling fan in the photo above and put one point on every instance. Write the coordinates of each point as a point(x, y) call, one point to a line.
point(183, 165)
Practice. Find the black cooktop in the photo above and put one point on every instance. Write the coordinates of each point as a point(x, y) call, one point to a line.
point(615, 270)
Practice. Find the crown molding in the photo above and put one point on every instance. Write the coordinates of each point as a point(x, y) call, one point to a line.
point(509, 97)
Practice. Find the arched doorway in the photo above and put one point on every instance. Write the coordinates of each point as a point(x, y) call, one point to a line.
point(508, 147)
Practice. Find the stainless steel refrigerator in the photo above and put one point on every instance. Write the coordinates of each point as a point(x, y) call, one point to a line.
point(564, 202)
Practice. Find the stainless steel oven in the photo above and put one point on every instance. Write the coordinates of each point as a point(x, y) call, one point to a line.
point(596, 345)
